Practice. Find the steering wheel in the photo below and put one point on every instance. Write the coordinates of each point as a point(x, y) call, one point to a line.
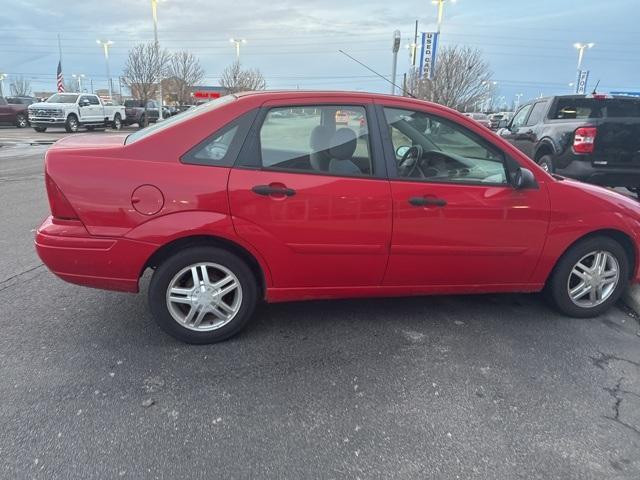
point(409, 161)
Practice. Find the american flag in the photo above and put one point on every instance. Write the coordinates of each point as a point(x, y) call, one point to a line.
point(60, 78)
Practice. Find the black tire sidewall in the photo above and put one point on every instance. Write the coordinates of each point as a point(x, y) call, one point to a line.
point(548, 159)
point(557, 286)
point(68, 124)
point(167, 270)
point(117, 119)
point(40, 129)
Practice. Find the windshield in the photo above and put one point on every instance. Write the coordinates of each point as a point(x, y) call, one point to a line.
point(192, 112)
point(62, 98)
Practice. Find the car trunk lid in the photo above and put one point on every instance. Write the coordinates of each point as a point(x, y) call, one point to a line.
point(83, 141)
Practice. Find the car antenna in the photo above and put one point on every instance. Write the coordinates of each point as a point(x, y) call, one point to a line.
point(595, 88)
point(381, 76)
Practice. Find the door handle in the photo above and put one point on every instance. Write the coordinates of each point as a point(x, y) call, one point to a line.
point(427, 202)
point(267, 190)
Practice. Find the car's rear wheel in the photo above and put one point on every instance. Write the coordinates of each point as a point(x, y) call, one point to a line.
point(546, 162)
point(40, 129)
point(117, 122)
point(590, 277)
point(143, 121)
point(71, 125)
point(21, 121)
point(202, 295)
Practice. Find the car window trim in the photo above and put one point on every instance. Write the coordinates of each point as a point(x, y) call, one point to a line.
point(390, 154)
point(250, 156)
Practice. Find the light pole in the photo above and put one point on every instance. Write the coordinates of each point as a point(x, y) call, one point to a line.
point(440, 4)
point(581, 47)
point(394, 66)
point(2, 77)
point(238, 42)
point(78, 78)
point(105, 46)
point(154, 13)
point(517, 101)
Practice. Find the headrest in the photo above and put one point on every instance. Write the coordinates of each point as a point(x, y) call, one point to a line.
point(343, 144)
point(320, 137)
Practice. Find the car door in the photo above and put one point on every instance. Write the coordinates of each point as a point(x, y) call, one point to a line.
point(85, 109)
point(529, 134)
point(516, 132)
point(457, 221)
point(97, 111)
point(312, 196)
point(5, 111)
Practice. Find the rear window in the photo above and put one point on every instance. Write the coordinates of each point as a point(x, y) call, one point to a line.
point(581, 108)
point(188, 115)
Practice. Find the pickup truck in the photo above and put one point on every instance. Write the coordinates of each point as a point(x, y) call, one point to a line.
point(75, 110)
point(137, 113)
point(13, 113)
point(593, 138)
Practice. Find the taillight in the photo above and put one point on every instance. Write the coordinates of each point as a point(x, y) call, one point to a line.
point(60, 206)
point(584, 139)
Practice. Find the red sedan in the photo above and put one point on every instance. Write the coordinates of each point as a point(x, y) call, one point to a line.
point(262, 196)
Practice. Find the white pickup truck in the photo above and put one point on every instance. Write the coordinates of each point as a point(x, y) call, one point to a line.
point(75, 110)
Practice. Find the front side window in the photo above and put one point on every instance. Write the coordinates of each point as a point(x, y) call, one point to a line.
point(537, 113)
point(330, 139)
point(94, 100)
point(431, 148)
point(520, 117)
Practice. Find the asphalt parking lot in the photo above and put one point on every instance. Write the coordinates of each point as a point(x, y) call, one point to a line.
point(491, 386)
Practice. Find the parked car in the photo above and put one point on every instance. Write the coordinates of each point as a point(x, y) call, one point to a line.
point(499, 120)
point(13, 113)
point(228, 207)
point(73, 111)
point(593, 138)
point(481, 118)
point(137, 113)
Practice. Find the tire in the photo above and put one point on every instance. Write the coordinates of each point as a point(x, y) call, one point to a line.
point(21, 121)
point(117, 122)
point(547, 164)
point(563, 279)
point(176, 271)
point(71, 125)
point(142, 122)
point(40, 129)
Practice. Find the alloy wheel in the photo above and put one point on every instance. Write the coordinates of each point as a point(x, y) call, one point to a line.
point(204, 296)
point(593, 279)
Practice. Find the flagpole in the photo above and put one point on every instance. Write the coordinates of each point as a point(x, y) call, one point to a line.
point(59, 49)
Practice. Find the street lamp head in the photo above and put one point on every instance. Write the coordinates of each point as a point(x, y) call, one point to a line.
point(582, 46)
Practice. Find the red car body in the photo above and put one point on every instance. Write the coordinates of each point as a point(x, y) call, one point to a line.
point(118, 208)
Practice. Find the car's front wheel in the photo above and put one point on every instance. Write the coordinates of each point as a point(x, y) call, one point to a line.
point(590, 277)
point(117, 122)
point(71, 125)
point(202, 295)
point(40, 129)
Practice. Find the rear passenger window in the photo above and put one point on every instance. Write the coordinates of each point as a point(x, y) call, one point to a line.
point(317, 139)
point(94, 101)
point(221, 148)
point(537, 113)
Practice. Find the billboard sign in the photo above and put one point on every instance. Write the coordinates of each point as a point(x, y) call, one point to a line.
point(428, 54)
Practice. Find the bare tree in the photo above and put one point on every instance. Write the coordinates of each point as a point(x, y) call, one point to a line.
point(20, 87)
point(234, 79)
point(185, 72)
point(145, 66)
point(462, 79)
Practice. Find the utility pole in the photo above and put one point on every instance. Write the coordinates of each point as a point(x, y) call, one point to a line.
point(2, 77)
point(395, 47)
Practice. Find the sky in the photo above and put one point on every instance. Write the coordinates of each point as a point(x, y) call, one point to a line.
point(528, 44)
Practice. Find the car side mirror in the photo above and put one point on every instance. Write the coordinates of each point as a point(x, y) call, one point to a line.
point(522, 178)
